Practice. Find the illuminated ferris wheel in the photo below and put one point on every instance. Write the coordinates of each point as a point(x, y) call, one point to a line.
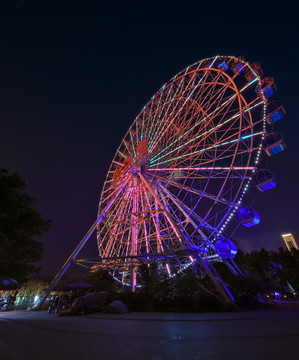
point(180, 174)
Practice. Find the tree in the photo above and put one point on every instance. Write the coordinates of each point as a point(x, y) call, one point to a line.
point(153, 280)
point(102, 280)
point(19, 225)
point(274, 268)
point(287, 265)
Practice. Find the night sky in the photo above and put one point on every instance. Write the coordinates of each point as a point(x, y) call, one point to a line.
point(74, 75)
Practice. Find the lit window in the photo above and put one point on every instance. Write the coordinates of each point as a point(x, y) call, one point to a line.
point(240, 68)
point(224, 66)
point(276, 149)
point(268, 91)
point(276, 116)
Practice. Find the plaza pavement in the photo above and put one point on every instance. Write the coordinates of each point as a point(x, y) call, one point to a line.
point(249, 335)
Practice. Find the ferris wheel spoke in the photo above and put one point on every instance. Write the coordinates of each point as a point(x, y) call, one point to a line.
point(168, 102)
point(206, 100)
point(203, 110)
point(203, 135)
point(117, 163)
point(126, 247)
point(127, 148)
point(203, 168)
point(167, 125)
point(114, 190)
point(124, 235)
point(115, 246)
point(172, 223)
point(249, 84)
point(209, 148)
point(226, 157)
point(166, 105)
point(119, 215)
point(132, 142)
point(231, 98)
point(142, 126)
point(201, 173)
point(183, 209)
point(156, 225)
point(218, 95)
point(256, 102)
point(156, 112)
point(183, 97)
point(189, 214)
point(150, 117)
point(203, 102)
point(204, 194)
point(134, 220)
point(144, 222)
point(124, 156)
point(178, 220)
point(151, 111)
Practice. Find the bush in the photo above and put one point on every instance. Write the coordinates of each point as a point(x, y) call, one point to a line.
point(135, 301)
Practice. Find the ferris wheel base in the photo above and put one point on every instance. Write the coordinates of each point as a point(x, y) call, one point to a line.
point(216, 279)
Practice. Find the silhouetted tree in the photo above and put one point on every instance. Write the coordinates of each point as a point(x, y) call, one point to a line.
point(153, 280)
point(275, 268)
point(20, 223)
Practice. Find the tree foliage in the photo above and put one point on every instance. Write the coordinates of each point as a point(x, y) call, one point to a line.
point(154, 281)
point(275, 268)
point(102, 280)
point(20, 223)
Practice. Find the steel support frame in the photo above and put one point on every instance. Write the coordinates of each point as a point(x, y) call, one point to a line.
point(79, 247)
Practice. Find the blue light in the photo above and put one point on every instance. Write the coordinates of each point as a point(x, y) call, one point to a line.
point(224, 66)
point(268, 92)
point(276, 149)
point(240, 68)
point(226, 248)
point(276, 116)
point(268, 186)
point(255, 221)
point(247, 217)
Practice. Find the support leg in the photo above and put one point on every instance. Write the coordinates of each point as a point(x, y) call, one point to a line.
point(77, 250)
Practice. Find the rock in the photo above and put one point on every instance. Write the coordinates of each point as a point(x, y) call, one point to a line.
point(117, 307)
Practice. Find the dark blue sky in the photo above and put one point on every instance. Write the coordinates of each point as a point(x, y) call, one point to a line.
point(74, 74)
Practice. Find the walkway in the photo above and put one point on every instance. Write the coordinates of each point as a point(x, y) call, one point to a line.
point(150, 336)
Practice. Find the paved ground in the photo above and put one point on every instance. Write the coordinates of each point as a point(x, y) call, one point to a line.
point(154, 336)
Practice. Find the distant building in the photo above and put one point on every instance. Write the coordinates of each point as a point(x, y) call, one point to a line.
point(290, 241)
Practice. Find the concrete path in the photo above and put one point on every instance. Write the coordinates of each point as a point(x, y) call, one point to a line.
point(153, 336)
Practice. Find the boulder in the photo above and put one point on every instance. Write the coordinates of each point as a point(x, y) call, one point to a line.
point(117, 307)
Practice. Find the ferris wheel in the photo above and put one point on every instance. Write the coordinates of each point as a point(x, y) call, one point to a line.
point(180, 175)
point(181, 172)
